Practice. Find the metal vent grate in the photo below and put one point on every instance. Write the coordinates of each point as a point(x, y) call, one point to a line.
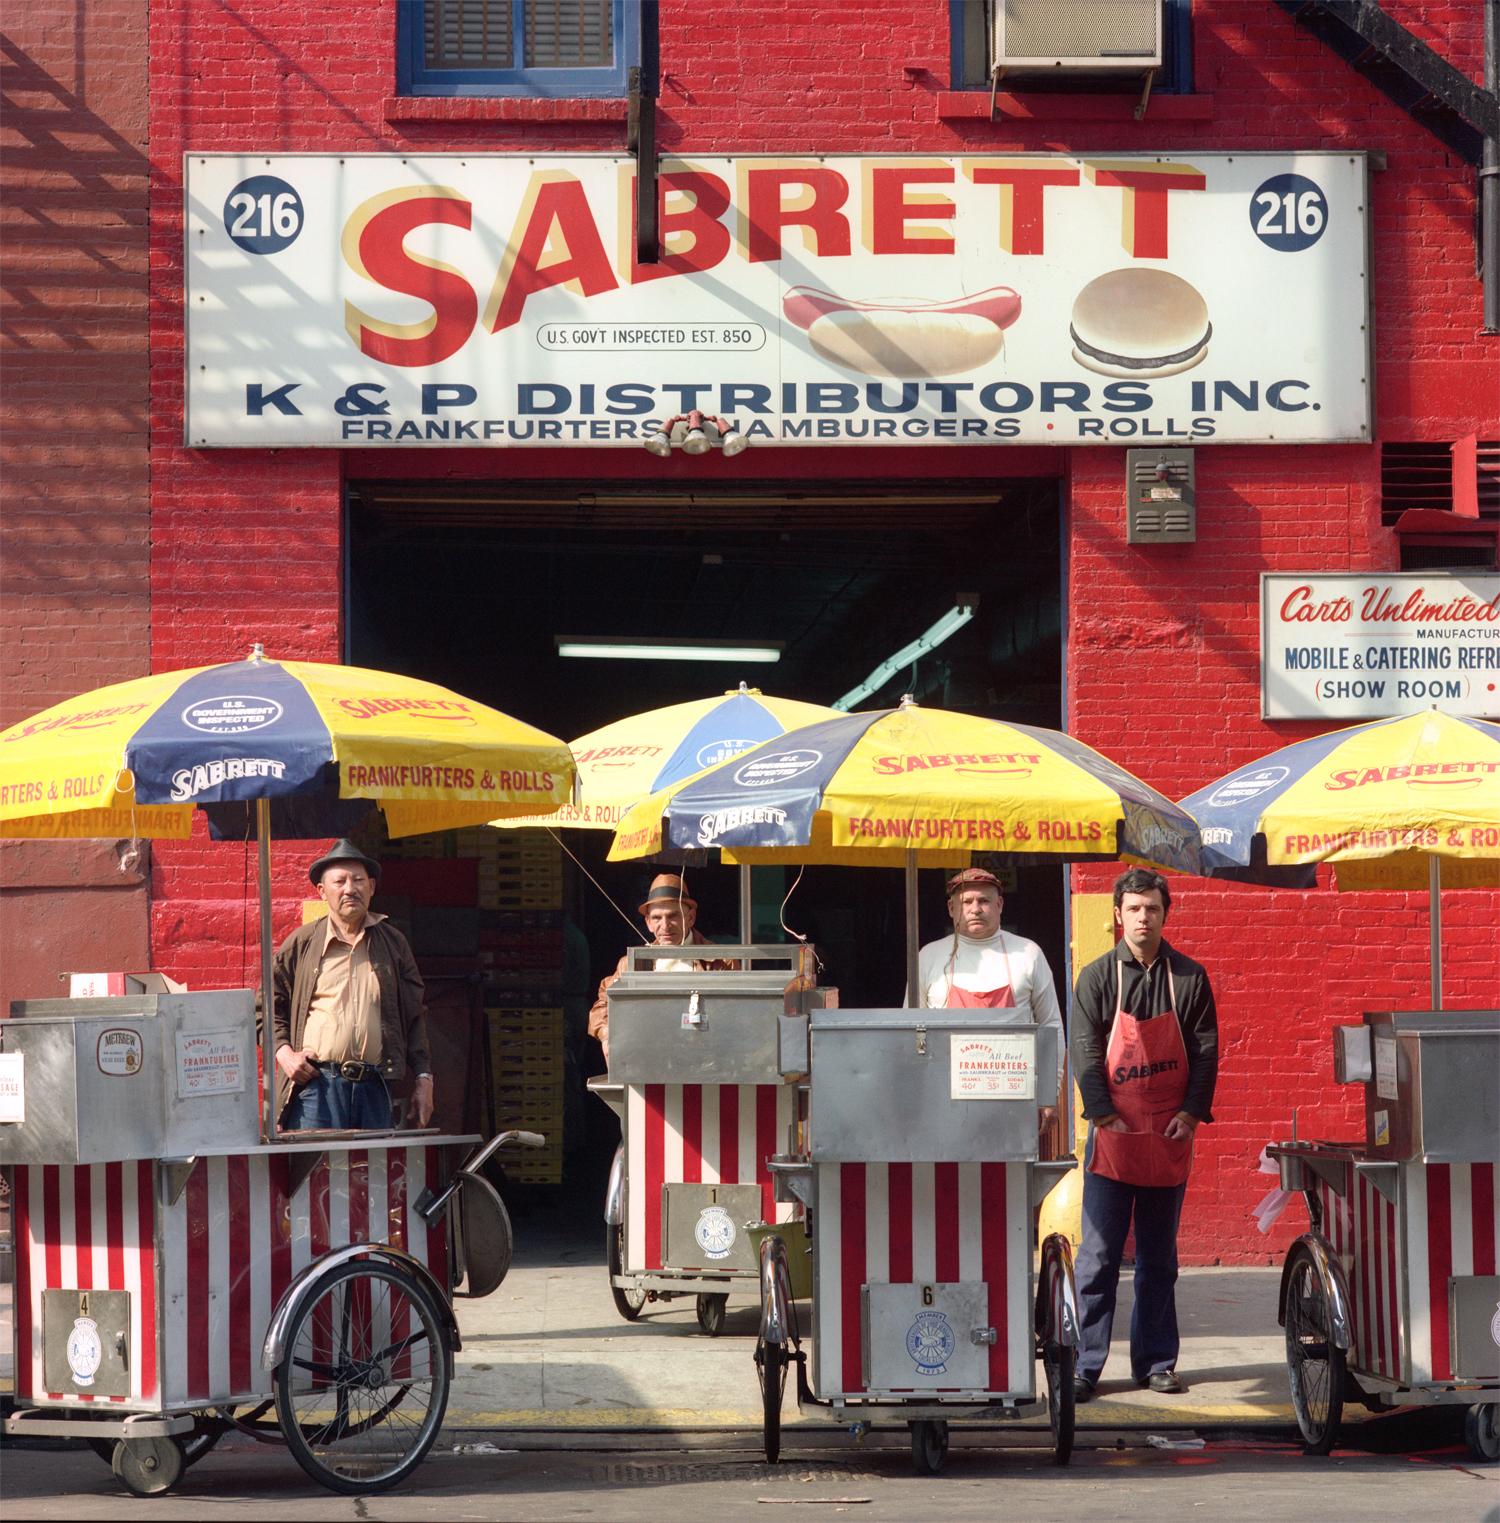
point(1161, 497)
point(1420, 475)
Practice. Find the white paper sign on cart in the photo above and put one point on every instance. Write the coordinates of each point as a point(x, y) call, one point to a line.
point(993, 1066)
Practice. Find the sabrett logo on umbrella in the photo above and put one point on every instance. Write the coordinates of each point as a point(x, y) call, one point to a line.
point(896, 765)
point(188, 782)
point(368, 708)
point(84, 719)
point(1464, 774)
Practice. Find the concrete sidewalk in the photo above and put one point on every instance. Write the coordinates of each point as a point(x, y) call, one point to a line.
point(549, 1351)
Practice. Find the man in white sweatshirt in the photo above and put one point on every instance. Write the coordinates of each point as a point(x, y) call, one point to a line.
point(982, 967)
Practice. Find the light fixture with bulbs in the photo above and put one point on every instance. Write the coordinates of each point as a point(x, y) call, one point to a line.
point(696, 433)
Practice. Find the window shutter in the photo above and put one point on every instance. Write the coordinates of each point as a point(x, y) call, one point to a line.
point(569, 34)
point(468, 34)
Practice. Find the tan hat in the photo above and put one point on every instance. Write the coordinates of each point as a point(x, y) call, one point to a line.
point(974, 877)
point(667, 888)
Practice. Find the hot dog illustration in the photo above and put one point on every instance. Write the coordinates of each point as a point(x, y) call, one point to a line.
point(904, 339)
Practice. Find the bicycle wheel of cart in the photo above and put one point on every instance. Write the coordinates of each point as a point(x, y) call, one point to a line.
point(1315, 1366)
point(777, 1339)
point(627, 1302)
point(363, 1384)
point(1059, 1358)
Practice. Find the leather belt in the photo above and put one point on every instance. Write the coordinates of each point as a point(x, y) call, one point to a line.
point(355, 1072)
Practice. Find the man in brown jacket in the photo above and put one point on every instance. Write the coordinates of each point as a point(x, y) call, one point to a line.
point(671, 918)
point(347, 1008)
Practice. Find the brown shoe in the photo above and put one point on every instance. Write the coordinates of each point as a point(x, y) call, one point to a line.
point(1163, 1382)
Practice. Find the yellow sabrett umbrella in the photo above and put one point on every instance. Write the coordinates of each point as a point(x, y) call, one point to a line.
point(1409, 802)
point(309, 746)
point(914, 786)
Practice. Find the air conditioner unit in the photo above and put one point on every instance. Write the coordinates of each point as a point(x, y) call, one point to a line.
point(1077, 36)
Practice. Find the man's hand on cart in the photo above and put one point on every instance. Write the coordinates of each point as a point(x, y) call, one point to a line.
point(421, 1098)
point(297, 1066)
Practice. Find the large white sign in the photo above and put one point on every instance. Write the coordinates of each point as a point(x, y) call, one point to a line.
point(1046, 299)
point(1365, 645)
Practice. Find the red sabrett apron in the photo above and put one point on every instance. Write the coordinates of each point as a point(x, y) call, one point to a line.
point(1146, 1071)
point(981, 999)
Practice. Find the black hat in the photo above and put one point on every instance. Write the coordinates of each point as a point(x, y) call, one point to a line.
point(343, 851)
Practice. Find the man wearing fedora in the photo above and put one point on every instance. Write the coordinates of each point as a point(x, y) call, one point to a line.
point(671, 918)
point(347, 1011)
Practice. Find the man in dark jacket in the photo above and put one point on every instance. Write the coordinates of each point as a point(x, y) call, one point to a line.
point(1145, 1048)
point(347, 1007)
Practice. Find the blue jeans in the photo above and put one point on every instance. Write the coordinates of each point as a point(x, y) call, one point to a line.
point(328, 1103)
point(1108, 1207)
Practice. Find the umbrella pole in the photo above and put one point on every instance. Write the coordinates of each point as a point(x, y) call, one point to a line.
point(911, 931)
point(268, 1036)
point(746, 906)
point(1435, 925)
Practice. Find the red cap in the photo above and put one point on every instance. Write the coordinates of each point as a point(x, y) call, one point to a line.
point(974, 877)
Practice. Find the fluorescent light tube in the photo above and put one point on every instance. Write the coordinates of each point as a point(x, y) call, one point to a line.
point(664, 650)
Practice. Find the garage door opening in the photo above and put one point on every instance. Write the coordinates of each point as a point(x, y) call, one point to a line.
point(470, 585)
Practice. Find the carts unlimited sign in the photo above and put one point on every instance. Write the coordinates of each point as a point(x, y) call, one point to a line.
point(496, 300)
point(1373, 645)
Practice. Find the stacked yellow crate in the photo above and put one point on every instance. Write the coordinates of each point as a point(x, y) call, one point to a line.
point(526, 1059)
point(518, 869)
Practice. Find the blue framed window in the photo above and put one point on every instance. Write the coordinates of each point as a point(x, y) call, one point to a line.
point(971, 23)
point(516, 47)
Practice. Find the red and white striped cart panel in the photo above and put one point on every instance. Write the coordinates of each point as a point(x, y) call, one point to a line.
point(1445, 1222)
point(205, 1272)
point(917, 1224)
point(698, 1134)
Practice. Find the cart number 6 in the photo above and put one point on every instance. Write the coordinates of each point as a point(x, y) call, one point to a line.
point(927, 1295)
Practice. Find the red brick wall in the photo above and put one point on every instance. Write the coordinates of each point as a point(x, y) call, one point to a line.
point(74, 584)
point(1162, 658)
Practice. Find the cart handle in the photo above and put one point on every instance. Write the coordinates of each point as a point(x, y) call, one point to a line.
point(431, 1206)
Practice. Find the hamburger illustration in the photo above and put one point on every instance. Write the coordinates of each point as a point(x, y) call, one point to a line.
point(1139, 323)
point(904, 339)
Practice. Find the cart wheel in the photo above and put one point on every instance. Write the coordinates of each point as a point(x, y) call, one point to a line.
point(1059, 1362)
point(1314, 1366)
point(627, 1302)
point(364, 1341)
point(1482, 1431)
point(771, 1362)
point(711, 1314)
point(147, 1466)
point(929, 1445)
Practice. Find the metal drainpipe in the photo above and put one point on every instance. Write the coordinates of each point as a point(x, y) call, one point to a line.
point(1489, 175)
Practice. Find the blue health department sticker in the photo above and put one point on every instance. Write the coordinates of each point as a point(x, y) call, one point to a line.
point(715, 1232)
point(930, 1342)
point(85, 1351)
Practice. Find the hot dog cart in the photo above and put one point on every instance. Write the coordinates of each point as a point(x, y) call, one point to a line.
point(696, 1079)
point(1392, 1296)
point(920, 1183)
point(175, 1276)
